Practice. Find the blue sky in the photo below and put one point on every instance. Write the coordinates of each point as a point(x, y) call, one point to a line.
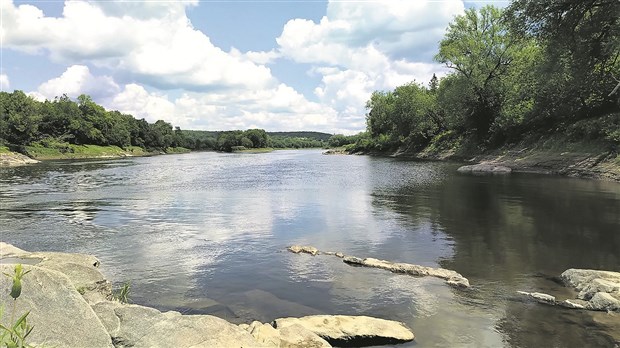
point(219, 65)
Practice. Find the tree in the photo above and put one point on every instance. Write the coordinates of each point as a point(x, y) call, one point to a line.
point(479, 47)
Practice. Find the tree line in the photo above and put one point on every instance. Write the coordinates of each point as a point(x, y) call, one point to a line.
point(536, 68)
point(26, 121)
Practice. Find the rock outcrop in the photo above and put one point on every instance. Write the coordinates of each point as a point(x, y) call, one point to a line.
point(601, 289)
point(11, 159)
point(60, 315)
point(69, 304)
point(351, 331)
point(451, 277)
point(484, 169)
point(303, 249)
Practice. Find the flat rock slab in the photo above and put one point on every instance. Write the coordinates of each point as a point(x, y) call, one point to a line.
point(60, 315)
point(484, 169)
point(139, 326)
point(351, 331)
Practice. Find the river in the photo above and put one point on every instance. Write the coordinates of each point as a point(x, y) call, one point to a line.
point(207, 233)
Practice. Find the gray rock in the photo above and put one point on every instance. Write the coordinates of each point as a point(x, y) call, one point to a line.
point(452, 278)
point(573, 304)
point(8, 250)
point(303, 249)
point(297, 336)
point(484, 169)
point(138, 326)
point(602, 301)
point(600, 288)
point(339, 254)
point(60, 315)
point(341, 330)
point(539, 297)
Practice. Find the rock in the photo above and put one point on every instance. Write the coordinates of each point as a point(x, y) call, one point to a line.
point(304, 249)
point(580, 278)
point(451, 277)
point(484, 169)
point(573, 304)
point(264, 333)
point(294, 336)
point(539, 297)
point(138, 326)
point(358, 331)
point(60, 315)
point(602, 301)
point(600, 288)
point(82, 270)
point(8, 250)
point(339, 254)
point(11, 159)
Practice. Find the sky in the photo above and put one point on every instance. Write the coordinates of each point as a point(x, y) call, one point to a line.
point(222, 65)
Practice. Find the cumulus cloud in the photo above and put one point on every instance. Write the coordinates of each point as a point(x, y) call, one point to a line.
point(360, 47)
point(151, 42)
point(76, 80)
point(4, 82)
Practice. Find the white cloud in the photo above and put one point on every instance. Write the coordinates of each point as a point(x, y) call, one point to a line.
point(360, 47)
point(4, 82)
point(151, 42)
point(77, 80)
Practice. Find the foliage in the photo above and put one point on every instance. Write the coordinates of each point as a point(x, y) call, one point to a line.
point(122, 294)
point(16, 333)
point(537, 67)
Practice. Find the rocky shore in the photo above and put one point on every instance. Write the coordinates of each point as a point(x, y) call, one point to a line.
point(71, 305)
point(11, 159)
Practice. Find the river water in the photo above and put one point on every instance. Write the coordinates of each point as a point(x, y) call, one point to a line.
point(207, 233)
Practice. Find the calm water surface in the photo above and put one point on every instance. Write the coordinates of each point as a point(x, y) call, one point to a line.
point(207, 232)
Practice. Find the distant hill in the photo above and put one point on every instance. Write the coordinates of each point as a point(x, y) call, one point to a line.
point(303, 134)
point(310, 135)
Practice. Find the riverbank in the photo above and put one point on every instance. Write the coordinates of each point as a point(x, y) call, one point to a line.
point(37, 153)
point(553, 156)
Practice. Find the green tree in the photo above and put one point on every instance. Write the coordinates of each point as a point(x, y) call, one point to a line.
point(479, 47)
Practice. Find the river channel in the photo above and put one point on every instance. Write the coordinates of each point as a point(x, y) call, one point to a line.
point(206, 233)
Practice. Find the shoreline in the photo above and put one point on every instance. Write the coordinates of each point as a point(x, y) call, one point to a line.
point(596, 165)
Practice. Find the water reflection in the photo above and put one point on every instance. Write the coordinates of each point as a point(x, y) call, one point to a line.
point(206, 233)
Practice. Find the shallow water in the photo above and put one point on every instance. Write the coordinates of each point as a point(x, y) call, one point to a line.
point(207, 232)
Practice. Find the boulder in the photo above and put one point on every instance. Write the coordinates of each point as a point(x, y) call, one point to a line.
point(600, 288)
point(138, 326)
point(10, 159)
point(357, 331)
point(602, 301)
point(303, 249)
point(484, 169)
point(60, 315)
point(573, 304)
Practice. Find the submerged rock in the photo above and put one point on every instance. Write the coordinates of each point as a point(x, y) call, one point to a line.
point(452, 278)
point(539, 297)
point(484, 169)
point(303, 249)
point(352, 331)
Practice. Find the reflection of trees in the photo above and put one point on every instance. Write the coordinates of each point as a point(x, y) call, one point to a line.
point(506, 229)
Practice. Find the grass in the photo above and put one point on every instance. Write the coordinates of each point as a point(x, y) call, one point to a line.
point(259, 150)
point(172, 150)
point(58, 150)
point(4, 149)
